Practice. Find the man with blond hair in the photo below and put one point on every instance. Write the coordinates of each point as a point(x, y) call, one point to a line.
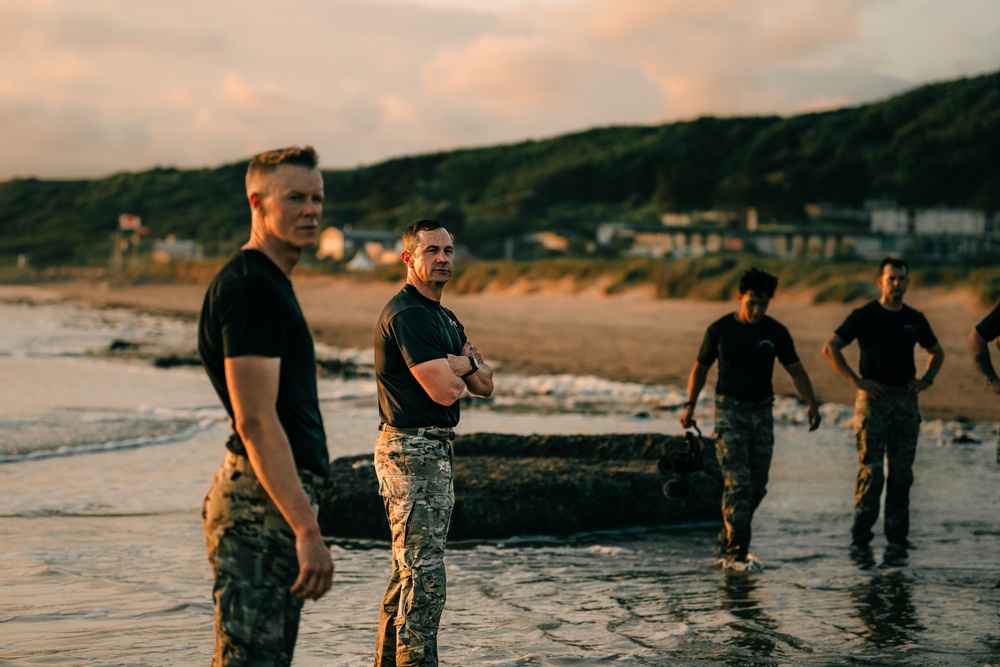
point(260, 513)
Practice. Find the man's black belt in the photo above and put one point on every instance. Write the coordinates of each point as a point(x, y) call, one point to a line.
point(433, 432)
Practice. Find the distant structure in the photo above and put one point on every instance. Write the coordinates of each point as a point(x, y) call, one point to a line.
point(880, 228)
point(552, 241)
point(374, 246)
point(173, 249)
point(937, 234)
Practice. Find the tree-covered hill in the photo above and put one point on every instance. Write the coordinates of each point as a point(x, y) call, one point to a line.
point(937, 144)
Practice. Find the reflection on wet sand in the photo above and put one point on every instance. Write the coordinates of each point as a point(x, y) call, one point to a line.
point(885, 605)
point(754, 631)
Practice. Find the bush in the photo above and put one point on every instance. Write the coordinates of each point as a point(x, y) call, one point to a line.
point(845, 292)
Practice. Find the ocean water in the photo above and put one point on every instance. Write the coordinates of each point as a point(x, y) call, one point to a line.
point(104, 461)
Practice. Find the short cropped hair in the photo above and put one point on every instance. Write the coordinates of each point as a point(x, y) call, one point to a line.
point(410, 233)
point(268, 161)
point(894, 262)
point(759, 282)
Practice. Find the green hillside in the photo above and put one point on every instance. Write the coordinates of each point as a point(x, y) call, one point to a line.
point(937, 144)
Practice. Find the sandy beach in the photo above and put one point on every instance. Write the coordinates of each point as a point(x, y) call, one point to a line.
point(631, 336)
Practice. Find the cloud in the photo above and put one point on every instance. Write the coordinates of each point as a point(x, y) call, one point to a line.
point(89, 88)
point(506, 73)
point(260, 96)
point(703, 57)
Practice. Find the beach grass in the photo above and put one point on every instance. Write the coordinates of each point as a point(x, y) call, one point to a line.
point(707, 278)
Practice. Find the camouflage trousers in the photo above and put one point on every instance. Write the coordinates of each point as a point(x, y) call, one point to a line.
point(417, 488)
point(744, 444)
point(252, 552)
point(887, 427)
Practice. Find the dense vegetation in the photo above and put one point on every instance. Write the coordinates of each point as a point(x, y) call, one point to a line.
point(934, 145)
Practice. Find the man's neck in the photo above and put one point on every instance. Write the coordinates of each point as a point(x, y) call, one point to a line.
point(432, 291)
point(889, 304)
point(284, 258)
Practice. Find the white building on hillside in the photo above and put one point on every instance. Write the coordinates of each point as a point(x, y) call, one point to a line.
point(379, 245)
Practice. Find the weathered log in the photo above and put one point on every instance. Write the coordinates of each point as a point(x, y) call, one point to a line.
point(509, 485)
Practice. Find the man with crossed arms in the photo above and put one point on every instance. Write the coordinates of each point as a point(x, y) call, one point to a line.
point(423, 364)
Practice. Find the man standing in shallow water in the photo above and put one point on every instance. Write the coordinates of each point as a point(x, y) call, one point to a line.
point(887, 419)
point(979, 347)
point(260, 514)
point(746, 343)
point(423, 364)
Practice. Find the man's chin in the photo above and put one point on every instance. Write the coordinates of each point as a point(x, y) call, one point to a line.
point(304, 241)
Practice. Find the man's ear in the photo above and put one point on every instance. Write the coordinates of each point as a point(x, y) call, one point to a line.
point(406, 257)
point(255, 201)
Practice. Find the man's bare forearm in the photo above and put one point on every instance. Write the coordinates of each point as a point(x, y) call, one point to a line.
point(833, 354)
point(480, 383)
point(980, 351)
point(271, 457)
point(935, 361)
point(985, 365)
point(803, 384)
point(696, 382)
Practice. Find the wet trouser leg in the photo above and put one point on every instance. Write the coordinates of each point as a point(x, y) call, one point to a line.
point(415, 481)
point(901, 451)
point(887, 427)
point(744, 445)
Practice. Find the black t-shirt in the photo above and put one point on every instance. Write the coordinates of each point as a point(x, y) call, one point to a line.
point(746, 354)
point(250, 309)
point(411, 330)
point(989, 328)
point(887, 338)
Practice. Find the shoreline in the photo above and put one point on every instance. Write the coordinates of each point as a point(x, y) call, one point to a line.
point(629, 336)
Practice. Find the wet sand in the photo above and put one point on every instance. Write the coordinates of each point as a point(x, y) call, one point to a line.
point(629, 336)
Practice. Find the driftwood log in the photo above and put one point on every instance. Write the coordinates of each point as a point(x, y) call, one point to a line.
point(508, 485)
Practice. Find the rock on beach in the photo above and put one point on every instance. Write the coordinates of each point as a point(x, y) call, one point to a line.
point(507, 485)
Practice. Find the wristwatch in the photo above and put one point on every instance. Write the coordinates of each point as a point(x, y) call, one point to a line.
point(475, 367)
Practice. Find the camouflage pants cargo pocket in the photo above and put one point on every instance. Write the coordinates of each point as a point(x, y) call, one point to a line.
point(252, 552)
point(415, 481)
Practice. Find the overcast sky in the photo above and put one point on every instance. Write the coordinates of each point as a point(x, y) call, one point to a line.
point(93, 87)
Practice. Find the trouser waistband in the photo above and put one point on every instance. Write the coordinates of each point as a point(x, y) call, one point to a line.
point(433, 432)
point(239, 463)
point(893, 390)
point(743, 404)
